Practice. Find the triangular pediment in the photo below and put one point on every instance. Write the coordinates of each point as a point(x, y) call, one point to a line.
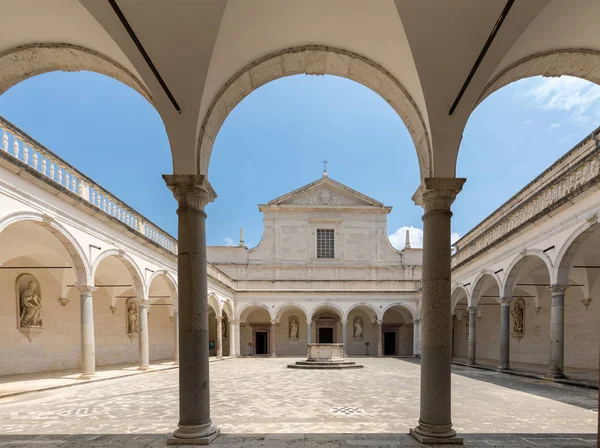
point(326, 191)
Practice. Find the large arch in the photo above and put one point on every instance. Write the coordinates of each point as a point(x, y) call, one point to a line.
point(517, 263)
point(72, 246)
point(286, 306)
point(580, 63)
point(130, 264)
point(27, 61)
point(479, 282)
point(314, 60)
point(243, 311)
point(311, 314)
point(168, 278)
point(569, 249)
point(364, 305)
point(456, 295)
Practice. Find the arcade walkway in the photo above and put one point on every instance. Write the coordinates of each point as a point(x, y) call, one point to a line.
point(253, 397)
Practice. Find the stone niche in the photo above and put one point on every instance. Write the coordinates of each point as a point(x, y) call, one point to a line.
point(29, 305)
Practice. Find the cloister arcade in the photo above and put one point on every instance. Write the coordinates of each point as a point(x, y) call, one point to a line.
point(211, 54)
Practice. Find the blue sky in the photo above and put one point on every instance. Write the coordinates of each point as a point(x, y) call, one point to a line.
point(275, 140)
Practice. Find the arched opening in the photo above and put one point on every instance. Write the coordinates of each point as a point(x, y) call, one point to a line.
point(291, 330)
point(326, 327)
point(119, 288)
point(162, 295)
point(398, 331)
point(362, 330)
point(255, 330)
point(485, 297)
point(48, 338)
point(214, 314)
point(460, 323)
point(578, 266)
point(527, 282)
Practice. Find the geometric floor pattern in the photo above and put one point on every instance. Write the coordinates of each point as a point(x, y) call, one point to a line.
point(252, 397)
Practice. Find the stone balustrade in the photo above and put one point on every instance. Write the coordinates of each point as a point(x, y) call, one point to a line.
point(24, 149)
point(569, 176)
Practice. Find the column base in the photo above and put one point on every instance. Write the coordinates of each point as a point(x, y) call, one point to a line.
point(443, 439)
point(555, 376)
point(503, 369)
point(86, 376)
point(143, 368)
point(431, 440)
point(471, 363)
point(188, 436)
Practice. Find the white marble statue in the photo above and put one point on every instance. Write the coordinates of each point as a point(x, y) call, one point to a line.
point(294, 327)
point(358, 329)
point(31, 306)
point(132, 316)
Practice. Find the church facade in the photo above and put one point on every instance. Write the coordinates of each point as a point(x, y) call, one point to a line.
point(324, 271)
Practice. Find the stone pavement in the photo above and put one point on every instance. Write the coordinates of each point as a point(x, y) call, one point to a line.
point(252, 397)
point(18, 384)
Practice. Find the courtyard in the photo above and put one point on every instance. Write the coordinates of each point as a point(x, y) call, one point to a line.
point(260, 401)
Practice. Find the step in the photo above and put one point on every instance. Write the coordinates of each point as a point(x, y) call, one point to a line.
point(325, 366)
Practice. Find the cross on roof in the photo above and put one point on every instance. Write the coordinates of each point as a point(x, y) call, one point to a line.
point(325, 162)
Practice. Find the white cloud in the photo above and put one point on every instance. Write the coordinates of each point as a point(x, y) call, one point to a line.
point(398, 238)
point(569, 94)
point(528, 122)
point(554, 126)
point(229, 241)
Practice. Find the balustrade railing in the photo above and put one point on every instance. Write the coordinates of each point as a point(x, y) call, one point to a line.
point(22, 147)
point(569, 176)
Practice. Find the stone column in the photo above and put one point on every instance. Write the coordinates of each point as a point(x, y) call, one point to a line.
point(232, 336)
point(143, 344)
point(344, 336)
point(557, 331)
point(193, 193)
point(309, 331)
point(505, 333)
point(273, 338)
point(380, 338)
point(436, 195)
point(219, 337)
point(417, 338)
point(176, 325)
point(88, 344)
point(472, 334)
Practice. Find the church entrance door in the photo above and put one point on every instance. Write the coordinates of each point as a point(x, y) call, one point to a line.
point(325, 335)
point(261, 343)
point(389, 343)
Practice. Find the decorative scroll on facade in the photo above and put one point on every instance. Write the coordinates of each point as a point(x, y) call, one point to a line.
point(512, 216)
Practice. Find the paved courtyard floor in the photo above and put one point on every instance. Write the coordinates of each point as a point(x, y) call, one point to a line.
point(253, 397)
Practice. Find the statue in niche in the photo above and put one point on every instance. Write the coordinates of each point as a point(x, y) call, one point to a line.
point(30, 302)
point(132, 316)
point(467, 318)
point(358, 328)
point(294, 328)
point(518, 313)
point(224, 329)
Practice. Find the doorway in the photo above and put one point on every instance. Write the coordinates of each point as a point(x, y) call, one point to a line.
point(261, 343)
point(325, 336)
point(389, 343)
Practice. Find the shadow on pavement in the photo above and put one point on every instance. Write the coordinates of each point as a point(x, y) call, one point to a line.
point(576, 396)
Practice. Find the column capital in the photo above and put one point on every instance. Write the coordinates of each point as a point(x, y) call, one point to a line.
point(219, 318)
point(344, 321)
point(438, 193)
point(504, 301)
point(380, 322)
point(143, 303)
point(309, 321)
point(273, 321)
point(472, 309)
point(416, 321)
point(190, 190)
point(86, 288)
point(557, 289)
point(234, 321)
